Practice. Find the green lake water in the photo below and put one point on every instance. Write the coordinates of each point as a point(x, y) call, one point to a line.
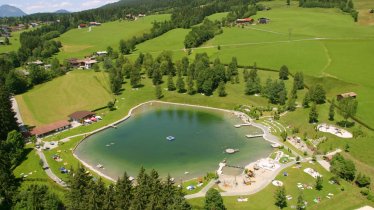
point(201, 136)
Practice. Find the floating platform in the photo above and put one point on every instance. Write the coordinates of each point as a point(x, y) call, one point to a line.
point(240, 125)
point(275, 145)
point(254, 135)
point(231, 151)
point(170, 138)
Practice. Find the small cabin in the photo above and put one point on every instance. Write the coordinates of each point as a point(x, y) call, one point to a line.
point(95, 24)
point(346, 95)
point(101, 53)
point(82, 25)
point(80, 116)
point(244, 20)
point(263, 20)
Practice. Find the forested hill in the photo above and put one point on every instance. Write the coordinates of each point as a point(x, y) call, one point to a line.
point(117, 10)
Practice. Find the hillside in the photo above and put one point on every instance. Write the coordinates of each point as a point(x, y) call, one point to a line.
point(10, 11)
point(78, 90)
point(82, 42)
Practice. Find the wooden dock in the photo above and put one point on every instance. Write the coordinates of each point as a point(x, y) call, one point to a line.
point(240, 125)
point(254, 135)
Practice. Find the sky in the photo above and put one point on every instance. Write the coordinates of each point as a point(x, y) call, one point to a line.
point(34, 6)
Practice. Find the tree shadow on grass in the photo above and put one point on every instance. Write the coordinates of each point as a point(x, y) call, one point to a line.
point(23, 157)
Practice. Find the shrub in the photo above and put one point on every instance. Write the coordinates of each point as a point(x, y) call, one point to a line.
point(362, 180)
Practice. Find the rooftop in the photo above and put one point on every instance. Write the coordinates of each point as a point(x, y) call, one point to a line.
point(81, 114)
point(348, 94)
point(50, 127)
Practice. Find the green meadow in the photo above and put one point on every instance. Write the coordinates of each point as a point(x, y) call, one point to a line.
point(325, 44)
point(169, 41)
point(80, 42)
point(55, 100)
point(14, 43)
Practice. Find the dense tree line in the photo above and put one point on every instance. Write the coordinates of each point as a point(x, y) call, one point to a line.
point(38, 43)
point(8, 120)
point(158, 28)
point(241, 11)
point(149, 192)
point(202, 33)
point(344, 5)
point(16, 81)
point(11, 149)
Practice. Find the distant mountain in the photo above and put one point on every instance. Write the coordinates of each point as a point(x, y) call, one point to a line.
point(10, 11)
point(61, 11)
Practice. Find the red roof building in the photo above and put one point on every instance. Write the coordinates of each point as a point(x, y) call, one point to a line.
point(50, 128)
point(80, 116)
point(245, 20)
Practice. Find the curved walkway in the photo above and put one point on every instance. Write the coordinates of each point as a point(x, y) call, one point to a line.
point(48, 170)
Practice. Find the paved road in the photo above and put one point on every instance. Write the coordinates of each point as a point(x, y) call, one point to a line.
point(48, 171)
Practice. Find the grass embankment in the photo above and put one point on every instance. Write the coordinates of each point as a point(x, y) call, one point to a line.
point(350, 198)
point(55, 100)
point(80, 42)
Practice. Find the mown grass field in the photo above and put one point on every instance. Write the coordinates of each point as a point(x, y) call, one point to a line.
point(325, 44)
point(168, 41)
point(80, 42)
point(14, 43)
point(55, 100)
point(348, 199)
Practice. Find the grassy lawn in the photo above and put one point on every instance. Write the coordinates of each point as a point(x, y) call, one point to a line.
point(193, 182)
point(80, 42)
point(265, 198)
point(14, 43)
point(38, 176)
point(172, 40)
point(64, 150)
point(55, 100)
